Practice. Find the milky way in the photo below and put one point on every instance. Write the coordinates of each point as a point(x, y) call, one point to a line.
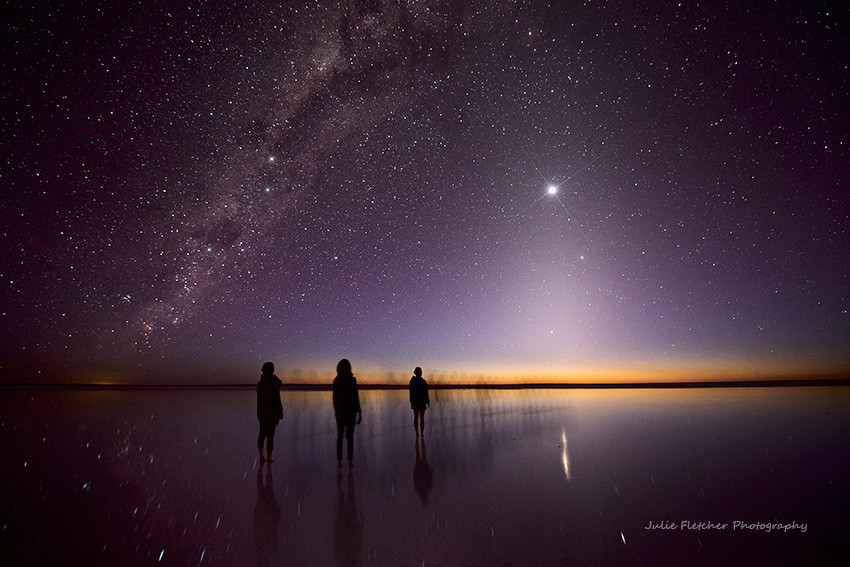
point(192, 190)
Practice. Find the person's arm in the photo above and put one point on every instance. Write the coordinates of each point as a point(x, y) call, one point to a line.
point(357, 403)
point(279, 404)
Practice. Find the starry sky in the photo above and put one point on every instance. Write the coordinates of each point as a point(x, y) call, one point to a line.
point(189, 190)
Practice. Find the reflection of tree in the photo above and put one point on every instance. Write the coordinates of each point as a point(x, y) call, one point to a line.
point(349, 524)
point(474, 425)
point(482, 392)
point(423, 476)
point(266, 517)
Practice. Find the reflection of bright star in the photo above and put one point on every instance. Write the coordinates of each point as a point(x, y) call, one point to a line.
point(552, 190)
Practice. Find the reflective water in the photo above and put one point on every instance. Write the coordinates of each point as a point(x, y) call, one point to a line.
point(529, 477)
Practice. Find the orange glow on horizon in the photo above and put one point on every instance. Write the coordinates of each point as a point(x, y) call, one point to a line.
point(635, 372)
point(624, 372)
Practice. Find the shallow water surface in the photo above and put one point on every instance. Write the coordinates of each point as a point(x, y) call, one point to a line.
point(526, 477)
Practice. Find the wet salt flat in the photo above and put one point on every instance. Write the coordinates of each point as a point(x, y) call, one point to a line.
point(526, 477)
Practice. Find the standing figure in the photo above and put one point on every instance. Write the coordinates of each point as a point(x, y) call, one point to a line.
point(346, 408)
point(269, 409)
point(419, 400)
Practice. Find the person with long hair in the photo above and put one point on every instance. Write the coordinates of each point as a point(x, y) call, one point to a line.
point(346, 408)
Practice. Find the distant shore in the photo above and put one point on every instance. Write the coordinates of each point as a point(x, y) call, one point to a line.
point(436, 386)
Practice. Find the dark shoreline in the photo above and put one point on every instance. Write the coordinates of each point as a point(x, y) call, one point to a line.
point(514, 386)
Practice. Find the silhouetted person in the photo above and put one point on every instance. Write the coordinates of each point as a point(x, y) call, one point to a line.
point(423, 476)
point(269, 409)
point(419, 400)
point(348, 530)
point(346, 408)
point(266, 517)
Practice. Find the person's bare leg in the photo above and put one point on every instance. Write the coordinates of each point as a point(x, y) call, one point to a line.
point(262, 459)
point(269, 459)
point(419, 422)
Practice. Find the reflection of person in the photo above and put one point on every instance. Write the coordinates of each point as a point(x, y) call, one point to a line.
point(419, 400)
point(347, 409)
point(348, 530)
point(423, 476)
point(266, 517)
point(269, 409)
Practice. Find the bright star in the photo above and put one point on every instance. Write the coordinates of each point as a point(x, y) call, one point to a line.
point(552, 191)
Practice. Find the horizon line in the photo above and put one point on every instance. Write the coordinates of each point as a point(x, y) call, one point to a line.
point(692, 384)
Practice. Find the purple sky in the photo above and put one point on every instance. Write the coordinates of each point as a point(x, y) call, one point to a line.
point(191, 190)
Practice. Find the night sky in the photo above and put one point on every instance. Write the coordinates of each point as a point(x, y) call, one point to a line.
point(189, 190)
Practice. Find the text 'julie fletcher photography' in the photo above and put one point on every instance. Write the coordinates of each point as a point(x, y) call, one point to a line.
point(737, 525)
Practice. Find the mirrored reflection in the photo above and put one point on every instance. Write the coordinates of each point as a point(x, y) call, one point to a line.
point(504, 478)
point(267, 515)
point(348, 529)
point(423, 475)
